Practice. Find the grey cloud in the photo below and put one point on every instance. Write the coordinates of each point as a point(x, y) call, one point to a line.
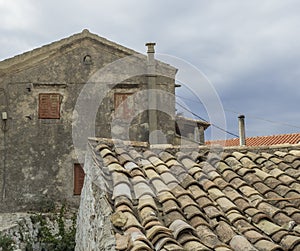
point(245, 48)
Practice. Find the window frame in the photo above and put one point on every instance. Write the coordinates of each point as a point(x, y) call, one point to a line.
point(78, 178)
point(125, 114)
point(48, 107)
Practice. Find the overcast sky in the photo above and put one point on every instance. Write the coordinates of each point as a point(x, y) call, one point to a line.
point(249, 51)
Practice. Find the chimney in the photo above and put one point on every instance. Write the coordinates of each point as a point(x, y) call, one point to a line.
point(152, 102)
point(242, 133)
point(150, 53)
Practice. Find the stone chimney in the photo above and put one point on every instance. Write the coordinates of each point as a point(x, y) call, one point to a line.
point(242, 133)
point(152, 99)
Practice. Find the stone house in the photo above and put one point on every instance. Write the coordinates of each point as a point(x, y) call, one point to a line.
point(69, 90)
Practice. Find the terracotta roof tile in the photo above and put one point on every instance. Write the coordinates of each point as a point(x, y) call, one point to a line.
point(245, 200)
point(241, 243)
point(267, 245)
point(122, 189)
point(260, 140)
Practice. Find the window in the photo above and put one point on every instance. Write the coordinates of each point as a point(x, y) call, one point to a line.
point(87, 60)
point(123, 106)
point(49, 106)
point(78, 178)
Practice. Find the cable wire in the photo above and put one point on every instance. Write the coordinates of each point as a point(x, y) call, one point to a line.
point(266, 120)
point(249, 116)
point(196, 115)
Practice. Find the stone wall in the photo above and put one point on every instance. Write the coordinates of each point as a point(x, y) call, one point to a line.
point(18, 227)
point(94, 229)
point(29, 230)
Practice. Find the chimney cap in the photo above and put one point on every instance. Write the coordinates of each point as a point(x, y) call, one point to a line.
point(150, 46)
point(150, 43)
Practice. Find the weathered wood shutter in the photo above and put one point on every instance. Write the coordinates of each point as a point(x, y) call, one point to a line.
point(124, 107)
point(49, 106)
point(78, 178)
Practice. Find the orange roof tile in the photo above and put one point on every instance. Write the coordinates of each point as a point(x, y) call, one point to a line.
point(260, 140)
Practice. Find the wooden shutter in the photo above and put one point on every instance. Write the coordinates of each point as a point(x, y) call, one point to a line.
point(124, 107)
point(49, 106)
point(78, 178)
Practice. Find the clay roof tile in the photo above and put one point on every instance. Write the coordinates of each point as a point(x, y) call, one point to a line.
point(260, 140)
point(241, 200)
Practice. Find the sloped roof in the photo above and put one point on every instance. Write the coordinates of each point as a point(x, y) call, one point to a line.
point(44, 51)
point(293, 138)
point(192, 122)
point(241, 199)
point(37, 55)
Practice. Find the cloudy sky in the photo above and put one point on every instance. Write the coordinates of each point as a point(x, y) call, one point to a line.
point(248, 51)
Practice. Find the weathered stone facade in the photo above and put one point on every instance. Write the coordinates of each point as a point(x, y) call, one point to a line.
point(37, 156)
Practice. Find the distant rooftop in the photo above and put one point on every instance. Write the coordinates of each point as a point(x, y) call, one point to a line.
point(293, 138)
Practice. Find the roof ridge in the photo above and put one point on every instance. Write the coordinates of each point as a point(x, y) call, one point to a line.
point(167, 147)
point(6, 63)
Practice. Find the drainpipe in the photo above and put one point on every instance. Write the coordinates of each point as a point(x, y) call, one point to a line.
point(152, 102)
point(242, 133)
point(4, 128)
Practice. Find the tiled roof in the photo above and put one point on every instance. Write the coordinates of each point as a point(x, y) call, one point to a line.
point(194, 200)
point(261, 140)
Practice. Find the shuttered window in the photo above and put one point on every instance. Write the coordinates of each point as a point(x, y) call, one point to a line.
point(49, 106)
point(78, 178)
point(123, 106)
